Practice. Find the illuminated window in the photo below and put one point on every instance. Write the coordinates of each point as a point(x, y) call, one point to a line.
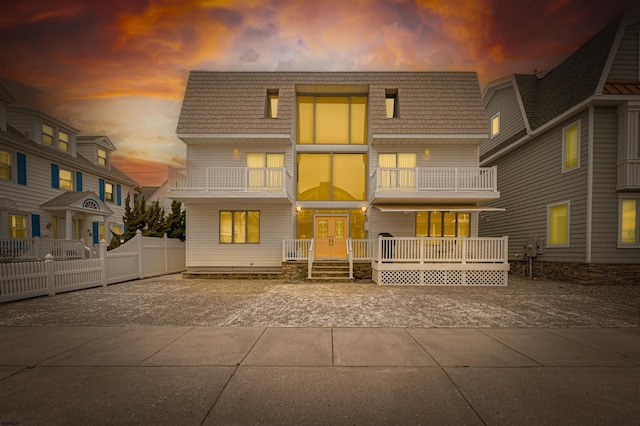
point(5, 165)
point(266, 171)
point(63, 141)
point(332, 177)
point(571, 147)
point(442, 224)
point(47, 134)
point(66, 179)
point(272, 103)
point(629, 226)
point(239, 227)
point(397, 170)
point(391, 102)
point(17, 226)
point(495, 125)
point(108, 192)
point(332, 119)
point(102, 157)
point(558, 225)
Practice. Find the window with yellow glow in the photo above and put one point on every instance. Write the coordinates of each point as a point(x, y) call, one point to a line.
point(558, 225)
point(17, 226)
point(442, 224)
point(331, 177)
point(66, 180)
point(266, 171)
point(102, 157)
point(391, 102)
point(5, 165)
point(397, 170)
point(629, 221)
point(239, 227)
point(571, 148)
point(357, 219)
point(272, 103)
point(108, 192)
point(63, 141)
point(495, 125)
point(336, 120)
point(47, 134)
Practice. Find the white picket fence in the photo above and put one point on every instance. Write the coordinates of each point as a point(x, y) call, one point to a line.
point(140, 257)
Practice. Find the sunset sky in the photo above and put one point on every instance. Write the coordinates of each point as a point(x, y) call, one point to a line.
point(119, 67)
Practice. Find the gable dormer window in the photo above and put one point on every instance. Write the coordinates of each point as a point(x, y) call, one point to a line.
point(102, 157)
point(272, 103)
point(47, 134)
point(63, 141)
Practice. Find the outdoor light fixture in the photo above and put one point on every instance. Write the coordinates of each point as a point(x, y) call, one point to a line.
point(298, 208)
point(364, 209)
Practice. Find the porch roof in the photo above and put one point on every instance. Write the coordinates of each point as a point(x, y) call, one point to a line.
point(436, 208)
point(85, 202)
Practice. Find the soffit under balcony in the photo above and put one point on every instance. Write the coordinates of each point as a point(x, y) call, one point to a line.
point(427, 139)
point(235, 139)
point(436, 208)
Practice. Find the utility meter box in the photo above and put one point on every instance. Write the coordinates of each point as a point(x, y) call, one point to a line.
point(530, 247)
point(539, 246)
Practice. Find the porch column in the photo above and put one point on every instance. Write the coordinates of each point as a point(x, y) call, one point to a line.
point(68, 225)
point(105, 226)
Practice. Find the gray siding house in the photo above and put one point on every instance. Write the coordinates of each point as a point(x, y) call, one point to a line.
point(301, 166)
point(567, 144)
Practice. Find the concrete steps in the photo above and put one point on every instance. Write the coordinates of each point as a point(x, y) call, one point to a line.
point(330, 271)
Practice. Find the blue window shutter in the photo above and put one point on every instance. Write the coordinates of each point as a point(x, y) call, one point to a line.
point(79, 181)
point(55, 176)
point(22, 168)
point(96, 233)
point(101, 181)
point(35, 225)
point(118, 194)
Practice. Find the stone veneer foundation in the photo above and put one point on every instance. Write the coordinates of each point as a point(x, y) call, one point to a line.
point(581, 273)
point(290, 271)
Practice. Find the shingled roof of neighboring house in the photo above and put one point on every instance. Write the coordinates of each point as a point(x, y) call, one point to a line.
point(235, 102)
point(573, 81)
point(16, 139)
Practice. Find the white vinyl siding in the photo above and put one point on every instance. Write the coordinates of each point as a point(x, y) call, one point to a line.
point(204, 248)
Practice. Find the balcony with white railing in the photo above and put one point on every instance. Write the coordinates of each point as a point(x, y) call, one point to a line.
point(435, 184)
point(230, 182)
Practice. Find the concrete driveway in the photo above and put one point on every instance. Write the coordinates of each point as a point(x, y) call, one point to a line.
point(171, 300)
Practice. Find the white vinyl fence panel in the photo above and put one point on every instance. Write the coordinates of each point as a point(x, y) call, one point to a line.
point(140, 257)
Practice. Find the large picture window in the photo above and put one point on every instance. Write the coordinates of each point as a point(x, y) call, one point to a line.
point(558, 225)
point(332, 119)
point(332, 177)
point(239, 227)
point(442, 224)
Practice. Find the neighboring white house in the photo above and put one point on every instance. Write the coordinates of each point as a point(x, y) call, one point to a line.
point(54, 183)
point(567, 144)
point(329, 158)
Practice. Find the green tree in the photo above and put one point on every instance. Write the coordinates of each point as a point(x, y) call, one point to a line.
point(176, 221)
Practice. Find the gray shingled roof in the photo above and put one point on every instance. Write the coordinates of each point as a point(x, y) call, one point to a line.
point(17, 140)
point(573, 81)
point(234, 102)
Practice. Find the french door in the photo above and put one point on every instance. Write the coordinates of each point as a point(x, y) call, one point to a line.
point(331, 237)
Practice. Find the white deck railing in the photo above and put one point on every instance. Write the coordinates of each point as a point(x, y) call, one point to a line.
point(436, 179)
point(37, 248)
point(295, 249)
point(242, 179)
point(444, 250)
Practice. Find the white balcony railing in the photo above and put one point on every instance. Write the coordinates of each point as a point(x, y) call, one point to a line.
point(241, 179)
point(436, 179)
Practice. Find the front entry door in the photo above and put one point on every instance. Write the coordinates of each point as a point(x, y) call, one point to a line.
point(331, 237)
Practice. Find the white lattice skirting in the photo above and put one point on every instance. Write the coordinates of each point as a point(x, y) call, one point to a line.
point(478, 274)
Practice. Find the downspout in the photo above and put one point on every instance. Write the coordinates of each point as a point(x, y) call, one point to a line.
point(590, 138)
